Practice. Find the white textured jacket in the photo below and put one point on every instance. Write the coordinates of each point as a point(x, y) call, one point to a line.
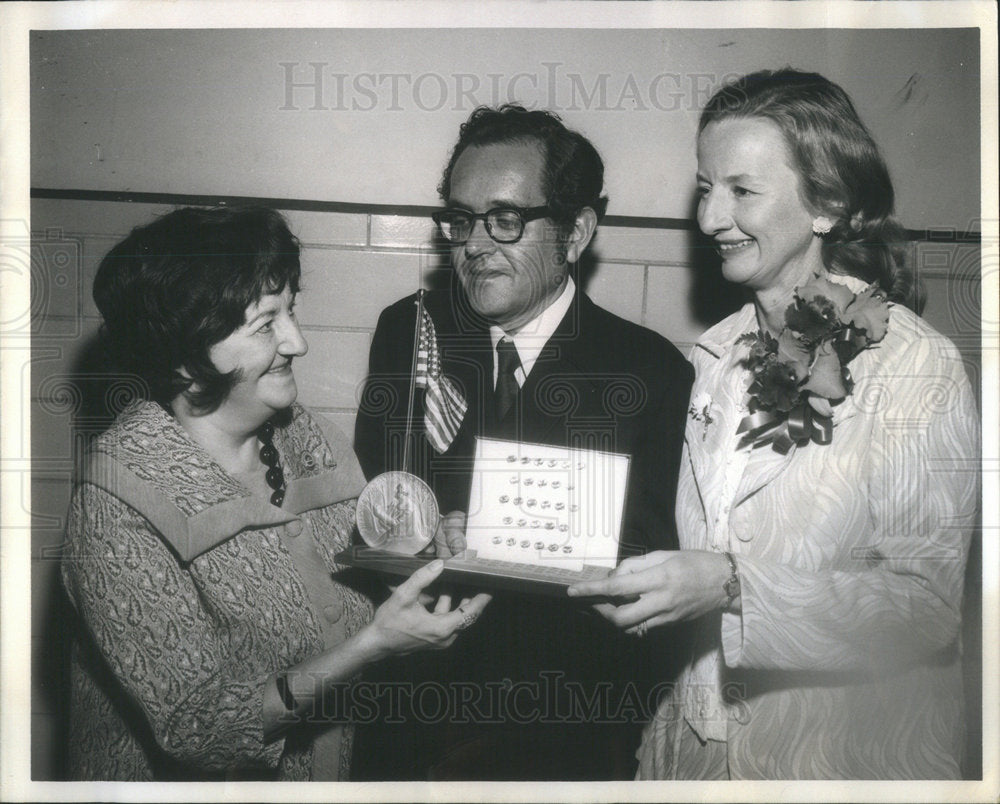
point(845, 661)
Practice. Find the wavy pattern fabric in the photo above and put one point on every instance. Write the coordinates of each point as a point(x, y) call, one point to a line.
point(845, 661)
point(168, 676)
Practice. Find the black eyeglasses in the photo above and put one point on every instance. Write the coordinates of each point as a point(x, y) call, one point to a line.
point(503, 224)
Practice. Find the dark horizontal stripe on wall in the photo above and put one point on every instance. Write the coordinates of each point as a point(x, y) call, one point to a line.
point(939, 235)
point(184, 200)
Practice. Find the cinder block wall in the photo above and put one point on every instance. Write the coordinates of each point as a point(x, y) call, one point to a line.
point(353, 265)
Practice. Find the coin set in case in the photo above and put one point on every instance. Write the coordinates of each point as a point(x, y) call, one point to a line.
point(538, 504)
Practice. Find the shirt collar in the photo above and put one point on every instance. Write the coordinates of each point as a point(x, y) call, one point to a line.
point(532, 337)
point(718, 340)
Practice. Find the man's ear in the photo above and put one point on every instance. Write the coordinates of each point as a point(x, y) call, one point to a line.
point(583, 232)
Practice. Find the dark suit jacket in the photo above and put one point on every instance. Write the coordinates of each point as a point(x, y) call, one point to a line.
point(600, 382)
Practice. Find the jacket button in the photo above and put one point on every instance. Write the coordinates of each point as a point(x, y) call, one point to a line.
point(333, 611)
point(742, 526)
point(294, 528)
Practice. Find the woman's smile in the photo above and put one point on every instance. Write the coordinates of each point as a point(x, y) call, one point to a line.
point(262, 351)
point(731, 246)
point(750, 204)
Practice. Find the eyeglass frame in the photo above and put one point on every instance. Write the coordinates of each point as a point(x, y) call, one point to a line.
point(526, 215)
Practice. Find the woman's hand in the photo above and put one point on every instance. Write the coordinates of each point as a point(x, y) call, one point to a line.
point(401, 625)
point(404, 624)
point(449, 539)
point(672, 585)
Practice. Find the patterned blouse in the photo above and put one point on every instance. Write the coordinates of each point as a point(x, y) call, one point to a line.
point(846, 660)
point(192, 594)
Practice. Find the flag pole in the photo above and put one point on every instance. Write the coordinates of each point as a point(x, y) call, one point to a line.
point(413, 379)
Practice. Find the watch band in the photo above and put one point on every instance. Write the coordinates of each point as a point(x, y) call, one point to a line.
point(732, 586)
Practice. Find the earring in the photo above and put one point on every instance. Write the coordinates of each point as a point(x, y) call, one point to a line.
point(822, 225)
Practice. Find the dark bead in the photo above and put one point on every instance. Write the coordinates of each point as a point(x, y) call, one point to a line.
point(278, 497)
point(275, 477)
point(266, 432)
point(269, 455)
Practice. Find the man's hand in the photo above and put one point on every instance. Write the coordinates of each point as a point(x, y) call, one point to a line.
point(449, 539)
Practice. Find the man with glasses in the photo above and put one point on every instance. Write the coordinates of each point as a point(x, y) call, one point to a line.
point(536, 361)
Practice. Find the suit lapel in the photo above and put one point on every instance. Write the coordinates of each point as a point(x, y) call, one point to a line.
point(467, 359)
point(722, 384)
point(713, 413)
point(711, 424)
point(560, 383)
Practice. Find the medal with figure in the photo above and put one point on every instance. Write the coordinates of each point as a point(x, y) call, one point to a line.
point(397, 511)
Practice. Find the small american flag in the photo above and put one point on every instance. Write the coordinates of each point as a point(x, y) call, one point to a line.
point(444, 405)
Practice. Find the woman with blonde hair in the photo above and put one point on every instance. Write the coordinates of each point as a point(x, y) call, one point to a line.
point(827, 492)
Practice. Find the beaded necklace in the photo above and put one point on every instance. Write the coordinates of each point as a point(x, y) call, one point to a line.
point(274, 476)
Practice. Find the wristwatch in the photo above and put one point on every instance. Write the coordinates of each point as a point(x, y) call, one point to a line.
point(732, 586)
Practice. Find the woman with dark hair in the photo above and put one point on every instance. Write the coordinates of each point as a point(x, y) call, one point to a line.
point(828, 486)
point(218, 633)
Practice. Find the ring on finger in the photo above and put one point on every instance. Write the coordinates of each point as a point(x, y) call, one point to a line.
point(641, 629)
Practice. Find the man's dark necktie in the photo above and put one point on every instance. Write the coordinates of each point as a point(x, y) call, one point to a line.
point(506, 391)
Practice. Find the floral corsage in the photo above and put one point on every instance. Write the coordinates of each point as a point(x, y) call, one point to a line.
point(798, 376)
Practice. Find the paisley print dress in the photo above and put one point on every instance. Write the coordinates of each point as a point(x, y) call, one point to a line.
point(191, 594)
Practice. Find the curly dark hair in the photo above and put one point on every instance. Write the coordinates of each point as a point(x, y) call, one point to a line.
point(574, 172)
point(177, 286)
point(842, 171)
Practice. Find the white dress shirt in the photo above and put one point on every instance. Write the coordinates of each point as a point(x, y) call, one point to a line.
point(532, 337)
